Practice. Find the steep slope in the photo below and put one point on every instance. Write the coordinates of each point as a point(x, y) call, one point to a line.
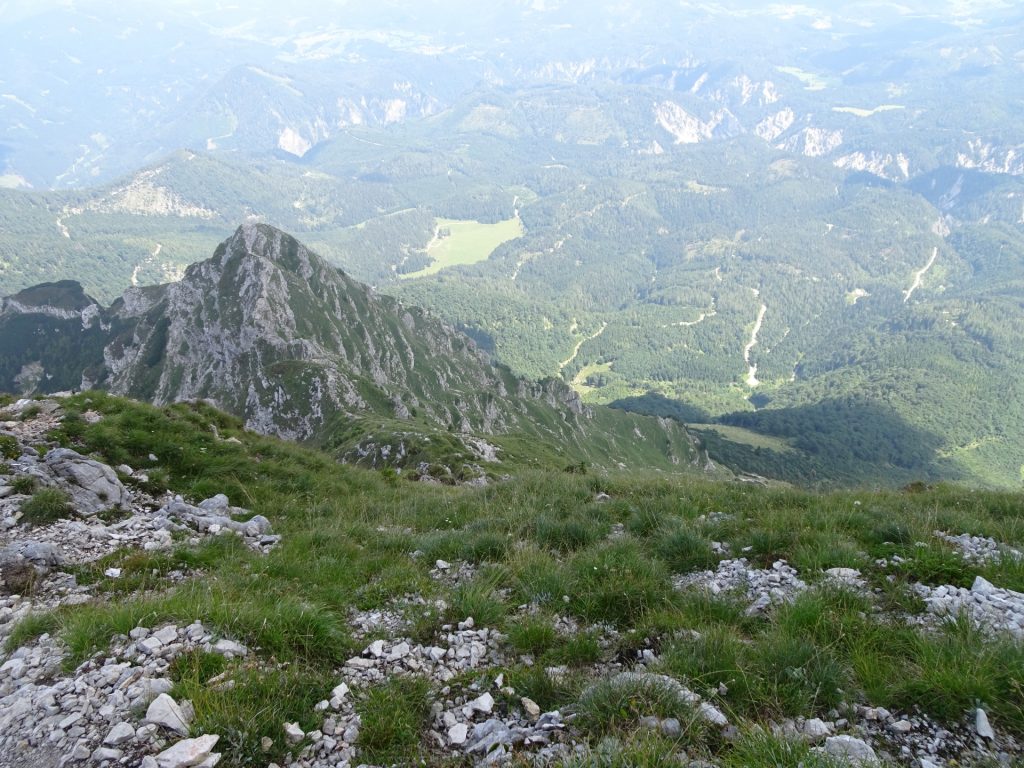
point(52, 338)
point(269, 331)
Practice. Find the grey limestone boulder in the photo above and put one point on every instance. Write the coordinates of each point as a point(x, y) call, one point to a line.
point(93, 486)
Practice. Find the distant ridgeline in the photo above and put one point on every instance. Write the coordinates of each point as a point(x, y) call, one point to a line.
point(270, 332)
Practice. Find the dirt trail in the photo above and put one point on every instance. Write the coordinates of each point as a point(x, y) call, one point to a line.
point(153, 255)
point(752, 369)
point(919, 276)
point(579, 344)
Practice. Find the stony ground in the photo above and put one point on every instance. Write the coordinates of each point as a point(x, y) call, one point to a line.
point(115, 709)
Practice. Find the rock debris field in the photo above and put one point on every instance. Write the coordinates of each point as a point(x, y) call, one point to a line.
point(115, 709)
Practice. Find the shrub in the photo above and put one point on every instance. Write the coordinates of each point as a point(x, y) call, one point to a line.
point(19, 577)
point(9, 448)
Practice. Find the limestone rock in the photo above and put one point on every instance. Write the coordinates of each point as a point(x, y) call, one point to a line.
point(188, 753)
point(164, 711)
point(93, 485)
point(981, 723)
point(293, 733)
point(855, 751)
point(119, 734)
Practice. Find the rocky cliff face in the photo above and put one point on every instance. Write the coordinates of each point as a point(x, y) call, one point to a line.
point(269, 331)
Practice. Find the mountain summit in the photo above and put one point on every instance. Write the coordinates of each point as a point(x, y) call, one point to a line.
point(272, 332)
point(268, 330)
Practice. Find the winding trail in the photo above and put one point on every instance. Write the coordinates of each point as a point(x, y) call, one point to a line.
point(153, 255)
point(919, 276)
point(752, 369)
point(579, 344)
point(690, 323)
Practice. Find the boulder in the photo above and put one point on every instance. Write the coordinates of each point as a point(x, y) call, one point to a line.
point(93, 486)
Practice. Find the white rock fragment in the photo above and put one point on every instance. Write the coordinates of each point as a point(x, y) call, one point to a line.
point(712, 714)
point(483, 704)
point(531, 707)
point(229, 648)
point(119, 734)
point(104, 754)
point(458, 733)
point(164, 711)
point(187, 753)
point(856, 752)
point(293, 733)
point(816, 729)
point(902, 726)
point(981, 724)
point(982, 586)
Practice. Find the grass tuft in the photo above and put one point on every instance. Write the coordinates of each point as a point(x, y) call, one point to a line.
point(46, 506)
point(24, 484)
point(256, 706)
point(533, 635)
point(617, 582)
point(683, 550)
point(394, 718)
point(619, 704)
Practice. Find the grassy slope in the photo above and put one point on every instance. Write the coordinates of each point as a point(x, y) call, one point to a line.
point(540, 538)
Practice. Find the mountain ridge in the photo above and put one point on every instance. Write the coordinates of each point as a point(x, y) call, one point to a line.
point(269, 331)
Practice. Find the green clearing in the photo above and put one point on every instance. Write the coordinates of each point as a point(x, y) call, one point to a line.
point(458, 242)
point(579, 381)
point(747, 437)
point(811, 81)
point(859, 112)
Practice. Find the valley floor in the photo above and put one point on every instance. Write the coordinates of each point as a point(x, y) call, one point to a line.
point(339, 616)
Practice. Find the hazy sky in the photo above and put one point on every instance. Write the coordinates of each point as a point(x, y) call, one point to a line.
point(13, 10)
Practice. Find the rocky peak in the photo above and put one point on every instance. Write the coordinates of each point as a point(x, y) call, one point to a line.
point(262, 241)
point(270, 332)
